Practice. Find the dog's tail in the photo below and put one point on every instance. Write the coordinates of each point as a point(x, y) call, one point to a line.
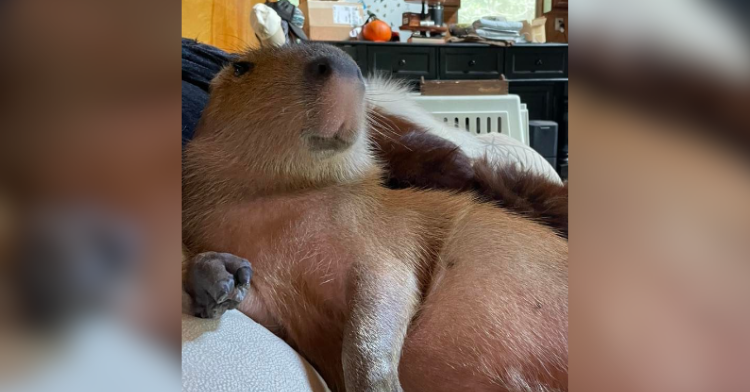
point(524, 192)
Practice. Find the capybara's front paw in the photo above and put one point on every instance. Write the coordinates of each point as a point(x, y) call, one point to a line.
point(217, 282)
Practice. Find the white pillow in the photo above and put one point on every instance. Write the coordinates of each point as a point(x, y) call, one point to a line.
point(234, 353)
point(500, 149)
point(503, 150)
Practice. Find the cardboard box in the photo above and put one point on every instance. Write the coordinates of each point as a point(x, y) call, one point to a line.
point(535, 31)
point(331, 20)
point(464, 87)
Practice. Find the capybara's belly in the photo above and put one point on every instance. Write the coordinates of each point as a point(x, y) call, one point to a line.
point(492, 321)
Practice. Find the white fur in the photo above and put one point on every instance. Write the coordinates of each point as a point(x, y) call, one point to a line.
point(354, 163)
point(393, 97)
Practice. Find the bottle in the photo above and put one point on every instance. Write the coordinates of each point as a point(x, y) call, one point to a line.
point(436, 12)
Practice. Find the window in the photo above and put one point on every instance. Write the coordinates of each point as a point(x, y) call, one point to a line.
point(515, 10)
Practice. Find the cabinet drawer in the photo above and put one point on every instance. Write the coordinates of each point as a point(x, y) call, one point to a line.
point(358, 53)
point(403, 62)
point(471, 63)
point(539, 98)
point(532, 63)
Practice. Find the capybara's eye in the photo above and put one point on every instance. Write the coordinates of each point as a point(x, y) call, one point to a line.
point(242, 67)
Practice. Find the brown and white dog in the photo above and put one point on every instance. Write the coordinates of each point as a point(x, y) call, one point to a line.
point(380, 289)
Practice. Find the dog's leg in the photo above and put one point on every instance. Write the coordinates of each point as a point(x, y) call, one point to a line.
point(384, 297)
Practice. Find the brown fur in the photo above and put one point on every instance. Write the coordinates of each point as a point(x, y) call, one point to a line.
point(525, 193)
point(416, 158)
point(421, 160)
point(379, 289)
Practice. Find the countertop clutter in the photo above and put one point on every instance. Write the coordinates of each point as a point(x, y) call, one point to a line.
point(422, 21)
point(227, 23)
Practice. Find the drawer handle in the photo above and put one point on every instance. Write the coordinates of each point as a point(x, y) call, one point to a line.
point(402, 62)
point(539, 62)
point(472, 63)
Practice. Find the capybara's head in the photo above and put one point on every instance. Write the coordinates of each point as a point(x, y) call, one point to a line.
point(291, 113)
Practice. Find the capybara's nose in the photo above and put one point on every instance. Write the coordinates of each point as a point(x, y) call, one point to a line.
point(326, 67)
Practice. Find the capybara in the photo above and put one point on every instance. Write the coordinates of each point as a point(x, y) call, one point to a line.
point(380, 289)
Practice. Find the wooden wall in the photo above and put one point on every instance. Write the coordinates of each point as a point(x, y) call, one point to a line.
point(222, 23)
point(552, 34)
point(559, 10)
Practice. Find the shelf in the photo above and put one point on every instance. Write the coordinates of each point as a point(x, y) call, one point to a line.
point(429, 29)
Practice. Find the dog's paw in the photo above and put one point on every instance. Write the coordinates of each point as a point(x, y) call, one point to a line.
point(217, 282)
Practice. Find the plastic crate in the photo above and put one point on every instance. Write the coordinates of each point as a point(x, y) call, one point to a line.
point(480, 114)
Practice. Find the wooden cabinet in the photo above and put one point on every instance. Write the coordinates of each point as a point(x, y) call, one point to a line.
point(404, 61)
point(459, 61)
point(537, 73)
point(534, 63)
point(547, 100)
point(471, 63)
point(539, 97)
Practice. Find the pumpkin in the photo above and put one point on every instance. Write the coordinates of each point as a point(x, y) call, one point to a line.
point(377, 31)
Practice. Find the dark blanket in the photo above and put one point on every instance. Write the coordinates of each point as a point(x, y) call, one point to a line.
point(200, 63)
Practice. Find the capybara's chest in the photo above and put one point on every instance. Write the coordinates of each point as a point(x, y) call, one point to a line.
point(301, 255)
point(302, 271)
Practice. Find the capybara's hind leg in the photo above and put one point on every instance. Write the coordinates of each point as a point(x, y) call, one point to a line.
point(495, 317)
